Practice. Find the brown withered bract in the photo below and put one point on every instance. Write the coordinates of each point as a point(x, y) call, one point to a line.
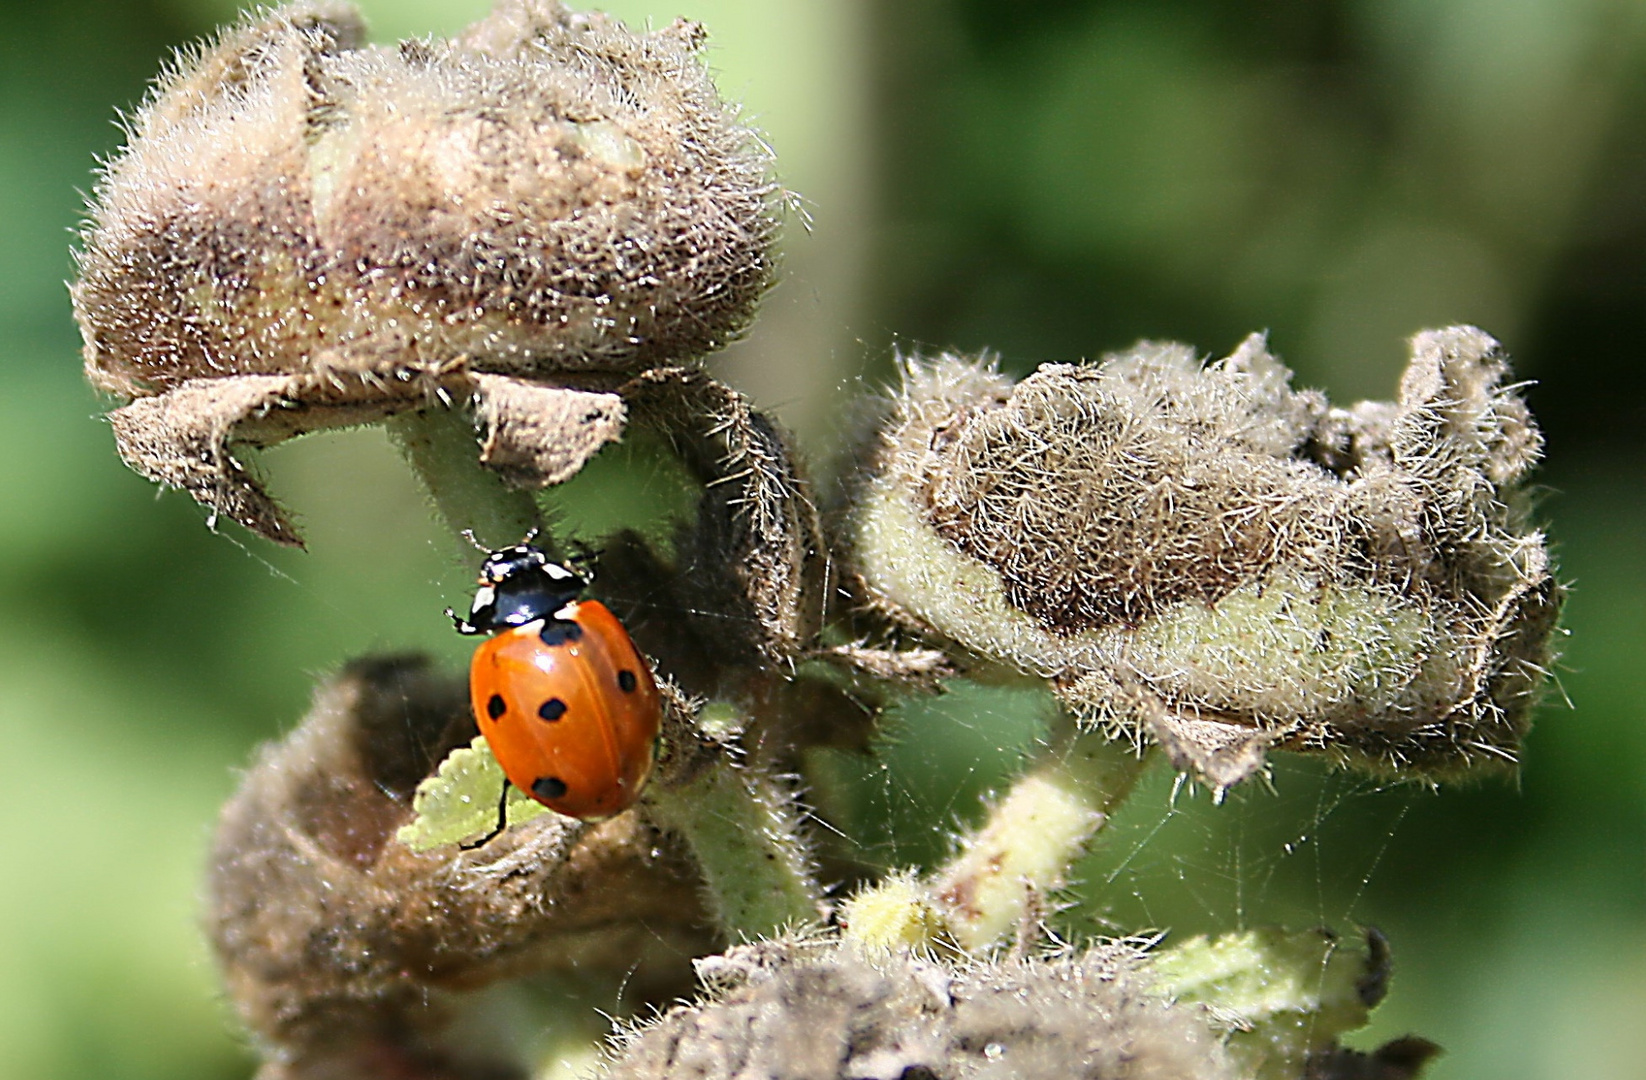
point(1206, 558)
point(343, 232)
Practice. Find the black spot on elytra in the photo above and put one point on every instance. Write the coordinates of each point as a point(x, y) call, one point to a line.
point(552, 709)
point(496, 706)
point(559, 632)
point(626, 681)
point(548, 787)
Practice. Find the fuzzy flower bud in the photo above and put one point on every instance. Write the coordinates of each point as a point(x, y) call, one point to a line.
point(304, 231)
point(1203, 557)
point(825, 1011)
point(546, 192)
point(348, 954)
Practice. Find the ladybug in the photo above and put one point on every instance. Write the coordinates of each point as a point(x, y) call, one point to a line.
point(563, 697)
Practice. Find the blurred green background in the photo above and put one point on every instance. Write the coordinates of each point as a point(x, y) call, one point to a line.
point(1051, 181)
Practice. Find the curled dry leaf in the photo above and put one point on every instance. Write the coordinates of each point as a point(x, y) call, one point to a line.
point(756, 553)
point(1203, 557)
point(342, 950)
point(304, 231)
point(1398, 1059)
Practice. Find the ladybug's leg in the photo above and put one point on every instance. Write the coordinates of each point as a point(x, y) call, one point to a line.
point(502, 819)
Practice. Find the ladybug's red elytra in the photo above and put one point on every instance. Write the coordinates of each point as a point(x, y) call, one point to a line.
point(563, 697)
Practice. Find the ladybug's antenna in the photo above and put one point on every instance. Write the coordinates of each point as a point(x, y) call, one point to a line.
point(468, 534)
point(531, 534)
point(583, 558)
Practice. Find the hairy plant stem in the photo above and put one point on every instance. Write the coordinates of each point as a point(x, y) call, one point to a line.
point(744, 831)
point(1042, 825)
point(440, 446)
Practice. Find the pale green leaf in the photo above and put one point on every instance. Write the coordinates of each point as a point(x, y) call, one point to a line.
point(459, 801)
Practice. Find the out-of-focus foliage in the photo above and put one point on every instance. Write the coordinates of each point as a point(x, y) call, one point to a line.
point(1052, 180)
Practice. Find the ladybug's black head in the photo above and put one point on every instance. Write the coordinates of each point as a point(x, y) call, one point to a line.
point(519, 585)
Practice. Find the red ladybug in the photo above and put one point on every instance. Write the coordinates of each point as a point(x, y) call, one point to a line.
point(561, 694)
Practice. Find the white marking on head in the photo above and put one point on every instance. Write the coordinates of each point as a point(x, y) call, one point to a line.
point(483, 597)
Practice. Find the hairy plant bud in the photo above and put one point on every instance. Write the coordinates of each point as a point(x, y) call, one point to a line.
point(546, 192)
point(826, 1011)
point(1201, 556)
point(348, 954)
point(304, 232)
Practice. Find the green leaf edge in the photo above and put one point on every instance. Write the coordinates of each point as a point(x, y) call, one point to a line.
point(460, 800)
